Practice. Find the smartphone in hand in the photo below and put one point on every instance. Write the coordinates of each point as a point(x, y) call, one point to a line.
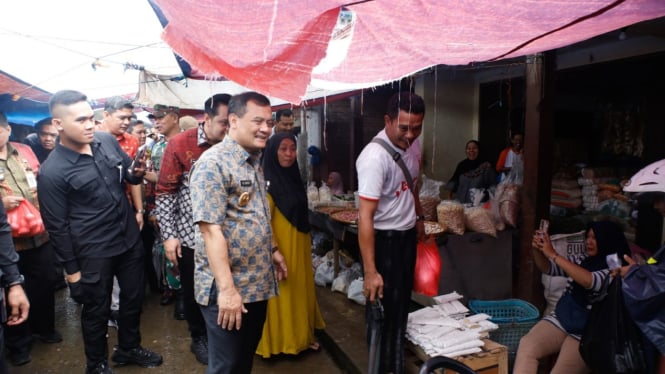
point(140, 153)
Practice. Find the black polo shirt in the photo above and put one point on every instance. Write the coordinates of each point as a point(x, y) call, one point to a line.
point(83, 202)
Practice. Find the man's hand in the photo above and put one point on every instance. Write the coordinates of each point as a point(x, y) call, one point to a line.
point(139, 220)
point(138, 169)
point(280, 264)
point(11, 202)
point(231, 308)
point(420, 230)
point(373, 286)
point(172, 250)
point(18, 305)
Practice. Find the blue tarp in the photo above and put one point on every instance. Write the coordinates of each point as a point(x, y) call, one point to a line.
point(23, 111)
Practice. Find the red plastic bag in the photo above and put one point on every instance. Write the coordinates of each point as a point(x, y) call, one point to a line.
point(428, 268)
point(25, 220)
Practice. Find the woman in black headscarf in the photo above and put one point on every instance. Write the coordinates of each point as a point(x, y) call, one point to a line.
point(560, 331)
point(472, 172)
point(294, 314)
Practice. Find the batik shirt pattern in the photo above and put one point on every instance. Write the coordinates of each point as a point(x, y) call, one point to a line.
point(222, 180)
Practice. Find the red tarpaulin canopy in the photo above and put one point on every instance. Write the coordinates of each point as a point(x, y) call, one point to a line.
point(280, 47)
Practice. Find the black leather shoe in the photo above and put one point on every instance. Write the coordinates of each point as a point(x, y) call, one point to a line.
point(137, 356)
point(167, 297)
point(101, 368)
point(199, 347)
point(179, 310)
point(49, 338)
point(20, 358)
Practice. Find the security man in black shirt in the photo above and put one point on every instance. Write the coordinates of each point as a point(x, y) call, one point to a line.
point(94, 230)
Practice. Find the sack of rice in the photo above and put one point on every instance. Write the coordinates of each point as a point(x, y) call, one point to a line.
point(479, 219)
point(450, 215)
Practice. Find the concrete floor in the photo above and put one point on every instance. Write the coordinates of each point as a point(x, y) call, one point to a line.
point(343, 343)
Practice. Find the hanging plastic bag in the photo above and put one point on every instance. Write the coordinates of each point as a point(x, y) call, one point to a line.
point(25, 220)
point(611, 342)
point(428, 268)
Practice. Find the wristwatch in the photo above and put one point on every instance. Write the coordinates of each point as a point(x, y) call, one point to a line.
point(142, 211)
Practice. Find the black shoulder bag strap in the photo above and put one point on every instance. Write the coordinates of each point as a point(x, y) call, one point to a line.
point(398, 159)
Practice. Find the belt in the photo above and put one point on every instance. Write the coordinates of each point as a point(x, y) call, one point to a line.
point(393, 233)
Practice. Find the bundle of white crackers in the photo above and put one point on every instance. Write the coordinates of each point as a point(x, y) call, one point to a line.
point(447, 329)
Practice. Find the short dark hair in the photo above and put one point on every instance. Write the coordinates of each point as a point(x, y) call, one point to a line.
point(406, 101)
point(40, 125)
point(133, 123)
point(213, 102)
point(3, 120)
point(65, 97)
point(283, 112)
point(238, 103)
point(115, 103)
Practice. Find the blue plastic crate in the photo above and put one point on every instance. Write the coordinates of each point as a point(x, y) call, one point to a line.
point(514, 317)
point(505, 311)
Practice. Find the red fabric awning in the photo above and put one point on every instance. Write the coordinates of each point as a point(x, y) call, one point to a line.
point(274, 46)
point(15, 86)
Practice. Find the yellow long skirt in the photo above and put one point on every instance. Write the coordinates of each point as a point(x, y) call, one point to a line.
point(294, 314)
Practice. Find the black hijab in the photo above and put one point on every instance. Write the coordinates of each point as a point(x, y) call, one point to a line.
point(467, 165)
point(609, 239)
point(286, 186)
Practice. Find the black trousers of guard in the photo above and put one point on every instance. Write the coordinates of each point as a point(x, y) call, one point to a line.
point(195, 321)
point(395, 258)
point(97, 282)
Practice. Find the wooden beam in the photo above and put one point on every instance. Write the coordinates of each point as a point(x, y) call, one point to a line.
point(538, 139)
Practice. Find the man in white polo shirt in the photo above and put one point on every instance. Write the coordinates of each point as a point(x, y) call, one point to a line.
point(391, 220)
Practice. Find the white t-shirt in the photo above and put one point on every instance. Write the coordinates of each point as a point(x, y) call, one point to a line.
point(380, 178)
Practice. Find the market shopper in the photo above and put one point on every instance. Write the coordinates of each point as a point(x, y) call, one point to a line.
point(390, 221)
point(18, 185)
point(174, 207)
point(137, 129)
point(236, 270)
point(11, 294)
point(335, 183)
point(560, 331)
point(42, 141)
point(166, 124)
point(472, 172)
point(510, 155)
point(284, 121)
point(293, 316)
point(94, 230)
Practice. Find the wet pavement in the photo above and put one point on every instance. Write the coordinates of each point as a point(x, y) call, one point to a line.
point(163, 334)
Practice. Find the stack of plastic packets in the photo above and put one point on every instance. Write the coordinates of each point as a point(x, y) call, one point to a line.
point(445, 329)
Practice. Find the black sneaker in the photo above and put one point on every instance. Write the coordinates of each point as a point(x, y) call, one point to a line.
point(138, 356)
point(101, 368)
point(20, 358)
point(49, 338)
point(199, 347)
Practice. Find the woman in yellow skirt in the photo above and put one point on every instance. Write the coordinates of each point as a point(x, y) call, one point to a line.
point(294, 314)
